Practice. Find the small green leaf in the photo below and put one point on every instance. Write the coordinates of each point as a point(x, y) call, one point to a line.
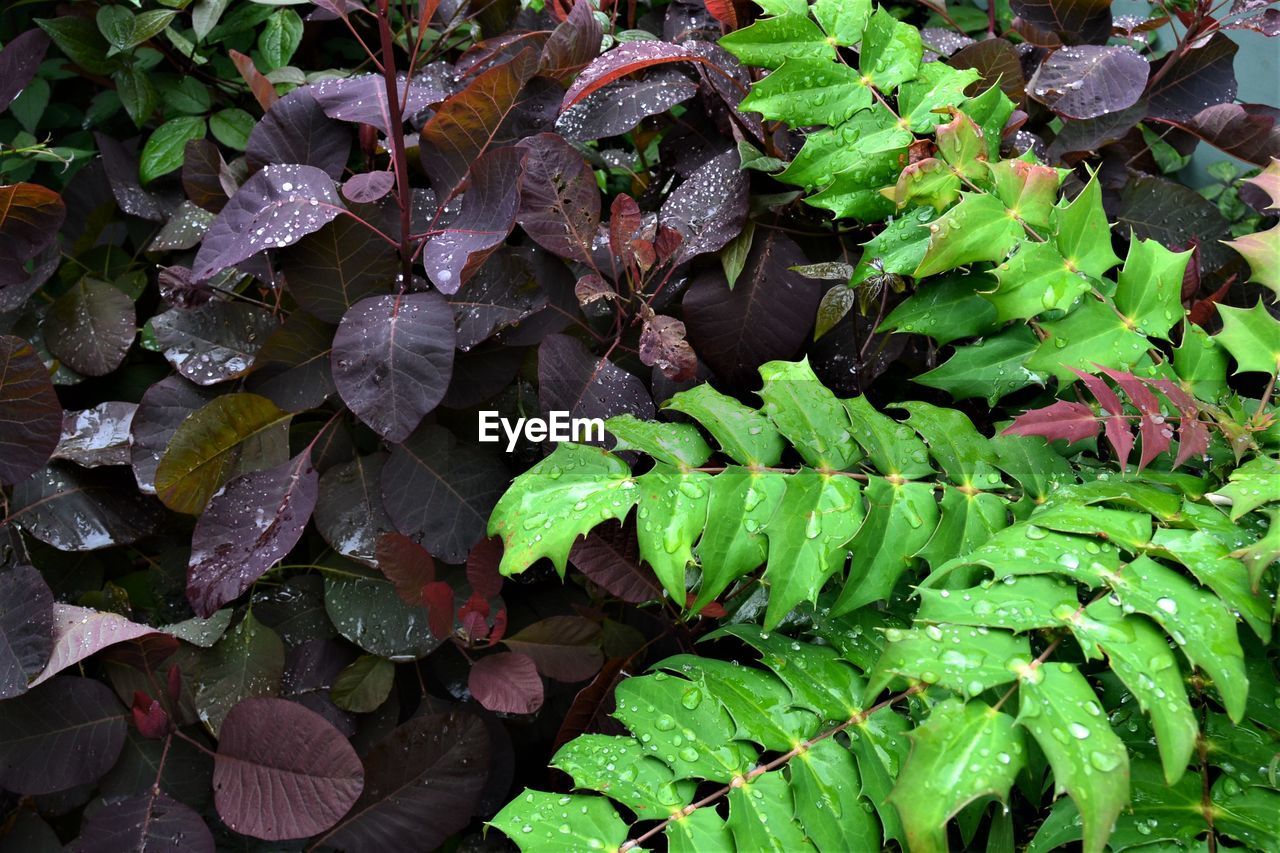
point(364, 685)
point(1032, 462)
point(944, 309)
point(964, 454)
point(808, 91)
point(826, 785)
point(818, 678)
point(1089, 336)
point(1022, 604)
point(900, 519)
point(869, 141)
point(843, 20)
point(232, 127)
point(1252, 336)
point(535, 822)
point(1200, 363)
point(1253, 484)
point(164, 149)
point(893, 447)
point(641, 783)
point(990, 368)
point(1149, 287)
point(1028, 189)
point(771, 41)
point(742, 502)
point(891, 51)
point(760, 705)
point(1036, 279)
point(762, 816)
point(137, 94)
point(1025, 549)
point(280, 38)
point(703, 831)
point(808, 414)
point(672, 511)
point(967, 520)
point(733, 257)
point(673, 443)
point(743, 433)
point(979, 228)
point(835, 304)
point(1082, 234)
point(80, 40)
point(116, 25)
point(924, 101)
point(955, 657)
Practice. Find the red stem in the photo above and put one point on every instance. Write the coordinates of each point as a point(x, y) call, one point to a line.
point(395, 138)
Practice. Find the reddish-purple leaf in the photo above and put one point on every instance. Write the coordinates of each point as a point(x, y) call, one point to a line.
point(566, 648)
point(437, 597)
point(997, 60)
point(152, 822)
point(1087, 21)
point(349, 511)
point(407, 565)
point(618, 107)
point(79, 632)
point(559, 198)
point(626, 58)
point(149, 716)
point(65, 733)
point(77, 509)
point(282, 771)
point(663, 345)
point(30, 414)
point(30, 216)
point(1193, 433)
point(249, 525)
point(1156, 434)
point(1065, 420)
point(20, 60)
point(1117, 426)
point(363, 99)
point(506, 682)
point(337, 266)
point(1200, 77)
point(91, 327)
point(422, 784)
point(489, 209)
point(482, 567)
point(573, 43)
point(97, 436)
point(1258, 15)
point(292, 369)
point(264, 91)
point(501, 293)
point(275, 208)
point(392, 357)
point(121, 165)
point(164, 405)
point(610, 557)
point(26, 628)
point(369, 186)
point(202, 174)
point(296, 130)
point(1088, 81)
point(1248, 131)
point(571, 379)
point(709, 209)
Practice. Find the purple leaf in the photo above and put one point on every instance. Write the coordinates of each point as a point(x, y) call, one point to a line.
point(709, 209)
point(30, 216)
point(296, 130)
point(91, 327)
point(97, 436)
point(275, 208)
point(249, 525)
point(121, 162)
point(26, 628)
point(406, 564)
point(610, 557)
point(1077, 21)
point(997, 60)
point(571, 379)
point(566, 648)
point(482, 568)
point(392, 357)
point(489, 209)
point(1199, 78)
point(212, 342)
point(504, 291)
point(152, 822)
point(65, 733)
point(617, 108)
point(81, 631)
point(440, 492)
point(282, 771)
point(663, 345)
point(1257, 15)
point(507, 682)
point(573, 43)
point(203, 171)
point(368, 186)
point(337, 266)
point(627, 58)
point(74, 509)
point(349, 512)
point(559, 198)
point(19, 62)
point(292, 369)
point(1065, 420)
point(1248, 131)
point(363, 99)
point(30, 414)
point(422, 784)
point(164, 405)
point(1089, 81)
point(768, 315)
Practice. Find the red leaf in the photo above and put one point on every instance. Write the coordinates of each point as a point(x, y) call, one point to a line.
point(714, 610)
point(627, 58)
point(1117, 429)
point(406, 564)
point(499, 629)
point(1156, 434)
point(438, 597)
point(725, 12)
point(610, 557)
point(574, 43)
point(1193, 434)
point(175, 683)
point(482, 567)
point(507, 682)
point(263, 90)
point(148, 716)
point(1064, 420)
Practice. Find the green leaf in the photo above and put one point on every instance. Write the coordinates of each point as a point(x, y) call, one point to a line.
point(116, 25)
point(968, 520)
point(164, 149)
point(881, 748)
point(835, 304)
point(954, 657)
point(990, 369)
point(1210, 561)
point(1036, 279)
point(900, 519)
point(672, 512)
point(1089, 761)
point(1082, 234)
point(205, 15)
point(1130, 530)
point(538, 821)
point(843, 20)
point(896, 249)
point(673, 443)
point(1019, 604)
point(1028, 189)
point(366, 609)
point(808, 414)
point(854, 193)
point(979, 228)
point(743, 433)
point(1032, 462)
point(923, 101)
point(1025, 549)
point(1149, 287)
point(733, 257)
point(1253, 484)
point(826, 785)
point(364, 685)
point(808, 91)
point(280, 38)
point(1261, 554)
point(965, 750)
point(640, 782)
point(762, 816)
point(137, 94)
point(80, 40)
point(1252, 336)
point(771, 41)
point(703, 831)
point(1091, 335)
point(893, 447)
point(818, 514)
point(232, 127)
point(965, 455)
point(1141, 658)
point(870, 141)
point(891, 51)
point(561, 498)
point(742, 502)
point(944, 309)
point(1246, 814)
point(1200, 363)
point(247, 661)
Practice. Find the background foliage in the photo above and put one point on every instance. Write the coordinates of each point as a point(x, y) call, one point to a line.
point(945, 410)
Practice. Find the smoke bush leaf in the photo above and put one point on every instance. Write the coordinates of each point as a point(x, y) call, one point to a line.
point(506, 682)
point(30, 414)
point(74, 509)
point(296, 131)
point(212, 342)
point(66, 733)
point(152, 821)
point(349, 512)
point(709, 208)
point(79, 632)
point(26, 628)
point(489, 209)
point(91, 327)
point(1088, 81)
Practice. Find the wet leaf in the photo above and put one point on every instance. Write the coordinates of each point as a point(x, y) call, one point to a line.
point(368, 612)
point(79, 632)
point(91, 327)
point(489, 209)
point(506, 682)
point(248, 661)
point(66, 733)
point(30, 414)
point(26, 628)
point(77, 510)
point(349, 511)
point(296, 131)
point(152, 822)
point(559, 199)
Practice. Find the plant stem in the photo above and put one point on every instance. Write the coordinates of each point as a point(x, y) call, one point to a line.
point(395, 138)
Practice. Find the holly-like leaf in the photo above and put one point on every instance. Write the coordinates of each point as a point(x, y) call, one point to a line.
point(1251, 485)
point(1036, 279)
point(1082, 234)
point(843, 20)
point(1149, 287)
point(1252, 336)
point(1262, 251)
point(808, 414)
point(593, 823)
point(990, 368)
point(901, 518)
point(979, 228)
point(30, 414)
point(890, 52)
point(1065, 420)
point(1091, 335)
point(809, 91)
point(770, 42)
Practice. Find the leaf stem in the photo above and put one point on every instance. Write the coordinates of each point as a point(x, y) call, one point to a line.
point(395, 138)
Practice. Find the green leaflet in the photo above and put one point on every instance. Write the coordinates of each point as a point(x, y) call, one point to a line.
point(741, 504)
point(989, 368)
point(1030, 461)
point(1019, 604)
point(944, 309)
point(892, 446)
point(1082, 233)
point(900, 519)
point(967, 520)
point(826, 784)
point(1131, 530)
point(922, 102)
point(809, 91)
point(640, 782)
point(769, 42)
point(808, 414)
point(1025, 549)
point(896, 249)
point(704, 831)
point(955, 657)
point(869, 140)
point(1253, 484)
point(843, 20)
point(1200, 363)
point(1149, 287)
point(1089, 761)
point(675, 444)
point(538, 821)
point(1036, 279)
point(979, 228)
point(965, 750)
point(743, 433)
point(891, 51)
point(880, 745)
point(1091, 335)
point(671, 513)
point(762, 816)
point(964, 455)
point(1210, 561)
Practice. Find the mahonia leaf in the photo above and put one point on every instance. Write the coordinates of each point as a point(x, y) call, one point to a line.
point(990, 368)
point(955, 657)
point(770, 42)
point(925, 100)
point(672, 511)
point(1015, 604)
point(1253, 484)
point(703, 830)
point(819, 679)
point(965, 750)
point(808, 414)
point(1093, 334)
point(641, 783)
point(865, 142)
point(742, 502)
point(1252, 336)
point(1032, 463)
point(893, 447)
point(1152, 427)
point(1149, 287)
point(945, 309)
point(968, 518)
point(809, 91)
point(964, 455)
point(1036, 279)
point(1082, 234)
point(1117, 426)
point(762, 816)
point(926, 182)
point(673, 443)
point(979, 228)
point(843, 20)
point(826, 784)
point(890, 52)
point(743, 433)
point(1028, 189)
point(534, 821)
point(900, 519)
point(961, 145)
point(1262, 251)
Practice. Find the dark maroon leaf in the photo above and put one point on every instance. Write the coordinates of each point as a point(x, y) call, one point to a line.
point(507, 682)
point(26, 628)
point(591, 708)
point(566, 648)
point(437, 597)
point(363, 99)
point(481, 375)
point(503, 291)
point(65, 733)
point(182, 230)
point(392, 357)
point(275, 208)
point(571, 379)
point(406, 564)
point(1198, 78)
point(13, 295)
point(74, 509)
point(559, 198)
point(1077, 21)
point(997, 61)
point(368, 186)
point(465, 125)
point(573, 43)
point(1095, 133)
point(154, 823)
point(310, 670)
point(164, 405)
point(482, 568)
point(296, 130)
point(337, 266)
point(625, 59)
point(1088, 81)
point(30, 414)
point(19, 62)
point(121, 163)
point(610, 557)
point(212, 342)
point(1248, 131)
point(91, 327)
point(349, 512)
point(97, 436)
point(30, 216)
point(488, 214)
point(768, 315)
point(709, 209)
point(663, 345)
point(149, 716)
point(282, 771)
point(247, 528)
point(422, 784)
point(1258, 15)
point(1158, 209)
point(292, 369)
point(623, 104)
point(440, 492)
point(202, 174)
